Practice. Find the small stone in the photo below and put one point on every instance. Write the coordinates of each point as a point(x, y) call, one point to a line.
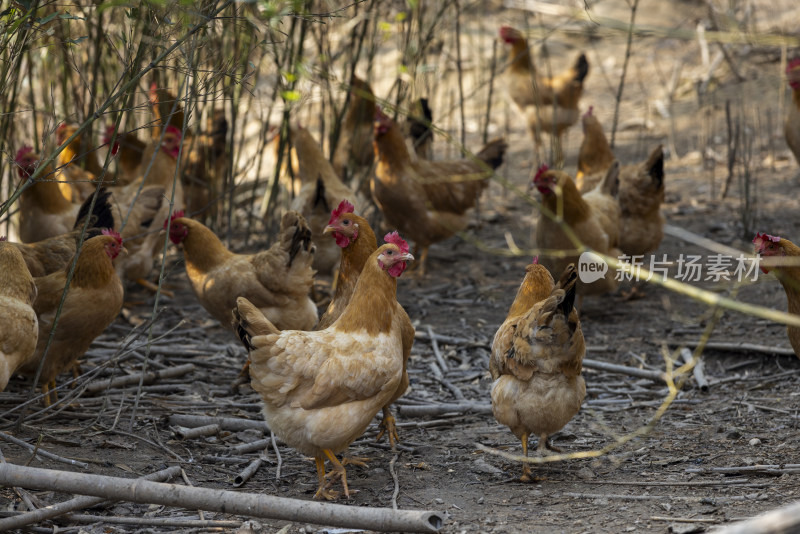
point(754, 442)
point(480, 500)
point(482, 466)
point(438, 501)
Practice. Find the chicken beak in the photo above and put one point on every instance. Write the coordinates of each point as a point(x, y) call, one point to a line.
point(329, 230)
point(406, 256)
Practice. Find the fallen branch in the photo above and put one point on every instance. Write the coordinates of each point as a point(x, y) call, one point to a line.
point(656, 376)
point(761, 469)
point(235, 424)
point(78, 503)
point(197, 432)
point(785, 519)
point(440, 409)
point(425, 336)
point(751, 497)
point(248, 471)
point(149, 378)
point(736, 347)
point(697, 370)
point(41, 452)
point(229, 502)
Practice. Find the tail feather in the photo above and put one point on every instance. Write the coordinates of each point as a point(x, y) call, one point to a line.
point(610, 183)
point(301, 236)
point(248, 322)
point(581, 68)
point(655, 166)
point(419, 122)
point(102, 216)
point(218, 133)
point(492, 154)
point(319, 196)
point(569, 283)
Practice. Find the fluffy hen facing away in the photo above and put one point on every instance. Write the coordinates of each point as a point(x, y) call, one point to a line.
point(20, 327)
point(321, 389)
point(593, 217)
point(549, 104)
point(427, 200)
point(536, 359)
point(782, 257)
point(277, 280)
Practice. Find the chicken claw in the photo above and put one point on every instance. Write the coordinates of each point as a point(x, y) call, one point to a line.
point(389, 428)
point(326, 481)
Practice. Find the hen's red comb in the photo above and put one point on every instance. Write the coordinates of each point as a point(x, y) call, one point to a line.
point(588, 112)
point(543, 169)
point(507, 33)
point(153, 95)
point(380, 115)
point(792, 64)
point(395, 239)
point(343, 207)
point(759, 238)
point(174, 131)
point(175, 215)
point(535, 260)
point(2, 238)
point(22, 152)
point(113, 233)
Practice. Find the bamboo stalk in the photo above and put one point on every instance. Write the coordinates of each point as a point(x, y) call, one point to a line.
point(229, 502)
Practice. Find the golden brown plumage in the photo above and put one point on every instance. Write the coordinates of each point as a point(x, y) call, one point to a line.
point(321, 389)
point(320, 192)
point(536, 359)
point(427, 200)
point(277, 280)
point(782, 257)
point(20, 328)
point(93, 301)
point(43, 210)
point(77, 165)
point(54, 253)
point(355, 236)
point(353, 156)
point(593, 217)
point(549, 104)
point(595, 155)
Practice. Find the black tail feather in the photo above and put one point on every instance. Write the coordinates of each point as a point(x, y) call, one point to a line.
point(102, 215)
point(569, 283)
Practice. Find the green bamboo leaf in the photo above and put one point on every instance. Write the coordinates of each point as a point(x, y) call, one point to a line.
point(291, 96)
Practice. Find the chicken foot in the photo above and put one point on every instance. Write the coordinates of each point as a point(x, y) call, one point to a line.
point(50, 395)
point(154, 288)
point(325, 481)
point(526, 467)
point(388, 426)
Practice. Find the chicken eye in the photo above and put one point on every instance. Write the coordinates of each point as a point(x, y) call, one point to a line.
point(345, 222)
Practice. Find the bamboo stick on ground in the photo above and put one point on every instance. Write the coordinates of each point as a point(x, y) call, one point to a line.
point(248, 471)
point(657, 376)
point(171, 372)
point(229, 502)
point(235, 424)
point(78, 503)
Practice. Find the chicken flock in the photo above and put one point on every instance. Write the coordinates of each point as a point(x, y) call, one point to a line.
point(86, 232)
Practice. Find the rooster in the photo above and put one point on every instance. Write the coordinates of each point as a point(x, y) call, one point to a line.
point(536, 359)
point(321, 389)
point(549, 104)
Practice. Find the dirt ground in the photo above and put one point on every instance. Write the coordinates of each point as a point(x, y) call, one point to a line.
point(714, 457)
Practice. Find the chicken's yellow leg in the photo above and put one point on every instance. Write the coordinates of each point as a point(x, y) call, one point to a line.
point(526, 467)
point(337, 470)
point(322, 492)
point(388, 427)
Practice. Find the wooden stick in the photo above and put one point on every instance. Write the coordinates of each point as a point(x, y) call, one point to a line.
point(763, 469)
point(753, 497)
point(436, 352)
point(154, 521)
point(248, 471)
point(235, 424)
point(229, 502)
point(784, 519)
point(170, 372)
point(656, 376)
point(697, 370)
point(198, 432)
point(684, 519)
point(439, 409)
point(78, 503)
point(42, 452)
point(736, 347)
point(244, 448)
